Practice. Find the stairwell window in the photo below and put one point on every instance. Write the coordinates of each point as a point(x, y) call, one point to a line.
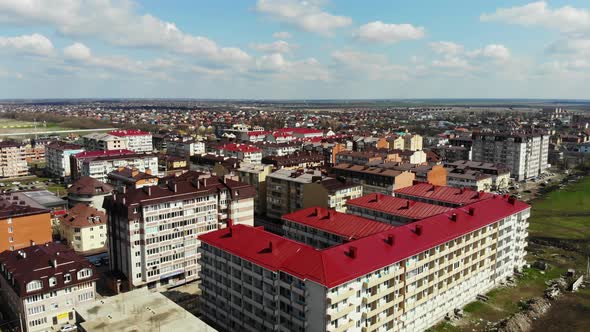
point(84, 273)
point(34, 285)
point(67, 278)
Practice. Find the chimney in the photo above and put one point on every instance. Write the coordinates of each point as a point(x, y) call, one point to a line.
point(408, 204)
point(148, 171)
point(418, 230)
point(352, 252)
point(511, 200)
point(269, 246)
point(230, 223)
point(471, 211)
point(390, 239)
point(331, 215)
point(454, 216)
point(54, 263)
point(318, 212)
point(376, 198)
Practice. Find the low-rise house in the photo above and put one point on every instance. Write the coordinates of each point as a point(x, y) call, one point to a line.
point(84, 229)
point(43, 283)
point(131, 177)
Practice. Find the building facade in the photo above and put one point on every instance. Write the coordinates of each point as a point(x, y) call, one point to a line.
point(13, 160)
point(84, 229)
point(103, 142)
point(98, 164)
point(135, 140)
point(525, 155)
point(153, 230)
point(22, 224)
point(57, 158)
point(404, 279)
point(44, 283)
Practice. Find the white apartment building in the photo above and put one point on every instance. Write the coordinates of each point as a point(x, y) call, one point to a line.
point(44, 283)
point(13, 162)
point(243, 152)
point(135, 140)
point(404, 279)
point(278, 149)
point(104, 142)
point(153, 230)
point(184, 148)
point(98, 165)
point(524, 154)
point(57, 158)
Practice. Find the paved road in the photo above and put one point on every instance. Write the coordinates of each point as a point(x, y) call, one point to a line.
point(57, 132)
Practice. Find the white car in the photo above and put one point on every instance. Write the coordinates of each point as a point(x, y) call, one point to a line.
point(68, 328)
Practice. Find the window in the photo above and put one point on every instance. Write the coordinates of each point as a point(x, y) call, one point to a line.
point(84, 273)
point(10, 229)
point(11, 239)
point(52, 282)
point(67, 278)
point(34, 285)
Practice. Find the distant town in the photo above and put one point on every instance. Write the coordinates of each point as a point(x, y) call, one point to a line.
point(290, 215)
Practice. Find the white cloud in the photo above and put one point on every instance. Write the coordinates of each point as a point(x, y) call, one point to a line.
point(388, 33)
point(282, 35)
point(116, 22)
point(306, 15)
point(492, 51)
point(566, 18)
point(570, 47)
point(373, 66)
point(279, 46)
point(34, 44)
point(278, 67)
point(77, 51)
point(447, 48)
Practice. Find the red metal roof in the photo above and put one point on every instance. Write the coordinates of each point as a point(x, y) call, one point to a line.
point(103, 153)
point(458, 196)
point(128, 132)
point(334, 266)
point(345, 225)
point(239, 148)
point(397, 206)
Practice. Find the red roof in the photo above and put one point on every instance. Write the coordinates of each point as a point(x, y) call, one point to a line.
point(345, 225)
point(334, 266)
point(128, 132)
point(397, 206)
point(300, 130)
point(102, 153)
point(258, 133)
point(457, 196)
point(239, 148)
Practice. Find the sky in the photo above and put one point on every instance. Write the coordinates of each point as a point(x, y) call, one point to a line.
point(291, 49)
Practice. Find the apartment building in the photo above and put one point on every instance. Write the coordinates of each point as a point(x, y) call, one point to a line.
point(322, 228)
point(406, 141)
point(430, 173)
point(103, 142)
point(367, 157)
point(468, 178)
point(441, 195)
point(98, 164)
point(406, 278)
point(288, 191)
point(13, 162)
point(184, 147)
point(131, 177)
point(525, 155)
point(243, 152)
point(57, 158)
point(255, 175)
point(153, 230)
point(42, 284)
point(135, 140)
point(375, 179)
point(22, 223)
point(278, 149)
point(84, 229)
point(500, 174)
point(392, 210)
point(296, 160)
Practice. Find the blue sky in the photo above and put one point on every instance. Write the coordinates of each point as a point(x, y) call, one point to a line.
point(282, 49)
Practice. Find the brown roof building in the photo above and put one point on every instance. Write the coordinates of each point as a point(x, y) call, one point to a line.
point(89, 191)
point(22, 223)
point(43, 283)
point(84, 229)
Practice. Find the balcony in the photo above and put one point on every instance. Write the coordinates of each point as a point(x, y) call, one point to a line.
point(337, 313)
point(335, 298)
point(345, 326)
point(379, 309)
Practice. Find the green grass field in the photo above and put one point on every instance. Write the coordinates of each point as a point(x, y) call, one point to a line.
point(560, 215)
point(563, 214)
